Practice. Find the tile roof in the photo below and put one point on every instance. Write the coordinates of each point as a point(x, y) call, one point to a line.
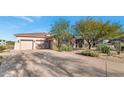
point(35, 35)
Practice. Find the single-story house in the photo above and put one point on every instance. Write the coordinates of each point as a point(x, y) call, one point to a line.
point(33, 41)
point(40, 40)
point(121, 39)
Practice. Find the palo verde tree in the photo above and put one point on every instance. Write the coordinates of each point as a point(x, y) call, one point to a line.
point(106, 30)
point(92, 30)
point(60, 31)
point(87, 29)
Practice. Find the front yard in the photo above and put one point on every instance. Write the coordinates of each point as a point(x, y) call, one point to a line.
point(58, 64)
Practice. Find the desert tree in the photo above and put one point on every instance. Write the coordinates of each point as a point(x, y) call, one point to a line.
point(92, 30)
point(60, 30)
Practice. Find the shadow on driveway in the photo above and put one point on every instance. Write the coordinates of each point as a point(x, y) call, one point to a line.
point(43, 64)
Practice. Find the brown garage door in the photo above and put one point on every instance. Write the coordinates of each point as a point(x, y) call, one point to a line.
point(26, 44)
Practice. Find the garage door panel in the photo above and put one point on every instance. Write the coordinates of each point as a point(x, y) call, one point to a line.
point(26, 45)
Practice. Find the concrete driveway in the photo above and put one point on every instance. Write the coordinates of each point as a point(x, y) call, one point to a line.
point(51, 63)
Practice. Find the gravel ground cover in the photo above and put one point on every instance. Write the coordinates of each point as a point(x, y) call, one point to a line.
point(49, 63)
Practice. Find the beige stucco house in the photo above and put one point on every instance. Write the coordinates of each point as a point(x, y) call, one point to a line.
point(33, 41)
point(41, 40)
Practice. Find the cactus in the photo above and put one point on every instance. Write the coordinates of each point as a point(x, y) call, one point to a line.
point(117, 46)
point(104, 49)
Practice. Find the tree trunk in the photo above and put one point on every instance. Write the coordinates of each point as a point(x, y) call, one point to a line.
point(94, 43)
point(90, 45)
point(59, 44)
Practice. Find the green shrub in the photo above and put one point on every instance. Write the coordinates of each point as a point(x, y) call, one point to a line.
point(2, 48)
point(122, 46)
point(89, 53)
point(66, 48)
point(1, 59)
point(10, 44)
point(104, 48)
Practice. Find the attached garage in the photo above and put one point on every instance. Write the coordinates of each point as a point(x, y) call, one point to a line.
point(26, 44)
point(33, 41)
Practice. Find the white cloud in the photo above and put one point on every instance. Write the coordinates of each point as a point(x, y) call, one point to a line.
point(26, 18)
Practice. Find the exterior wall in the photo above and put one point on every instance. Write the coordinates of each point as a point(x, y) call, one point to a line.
point(54, 44)
point(29, 38)
point(39, 44)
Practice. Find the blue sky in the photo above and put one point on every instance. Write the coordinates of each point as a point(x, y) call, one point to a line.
point(10, 25)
